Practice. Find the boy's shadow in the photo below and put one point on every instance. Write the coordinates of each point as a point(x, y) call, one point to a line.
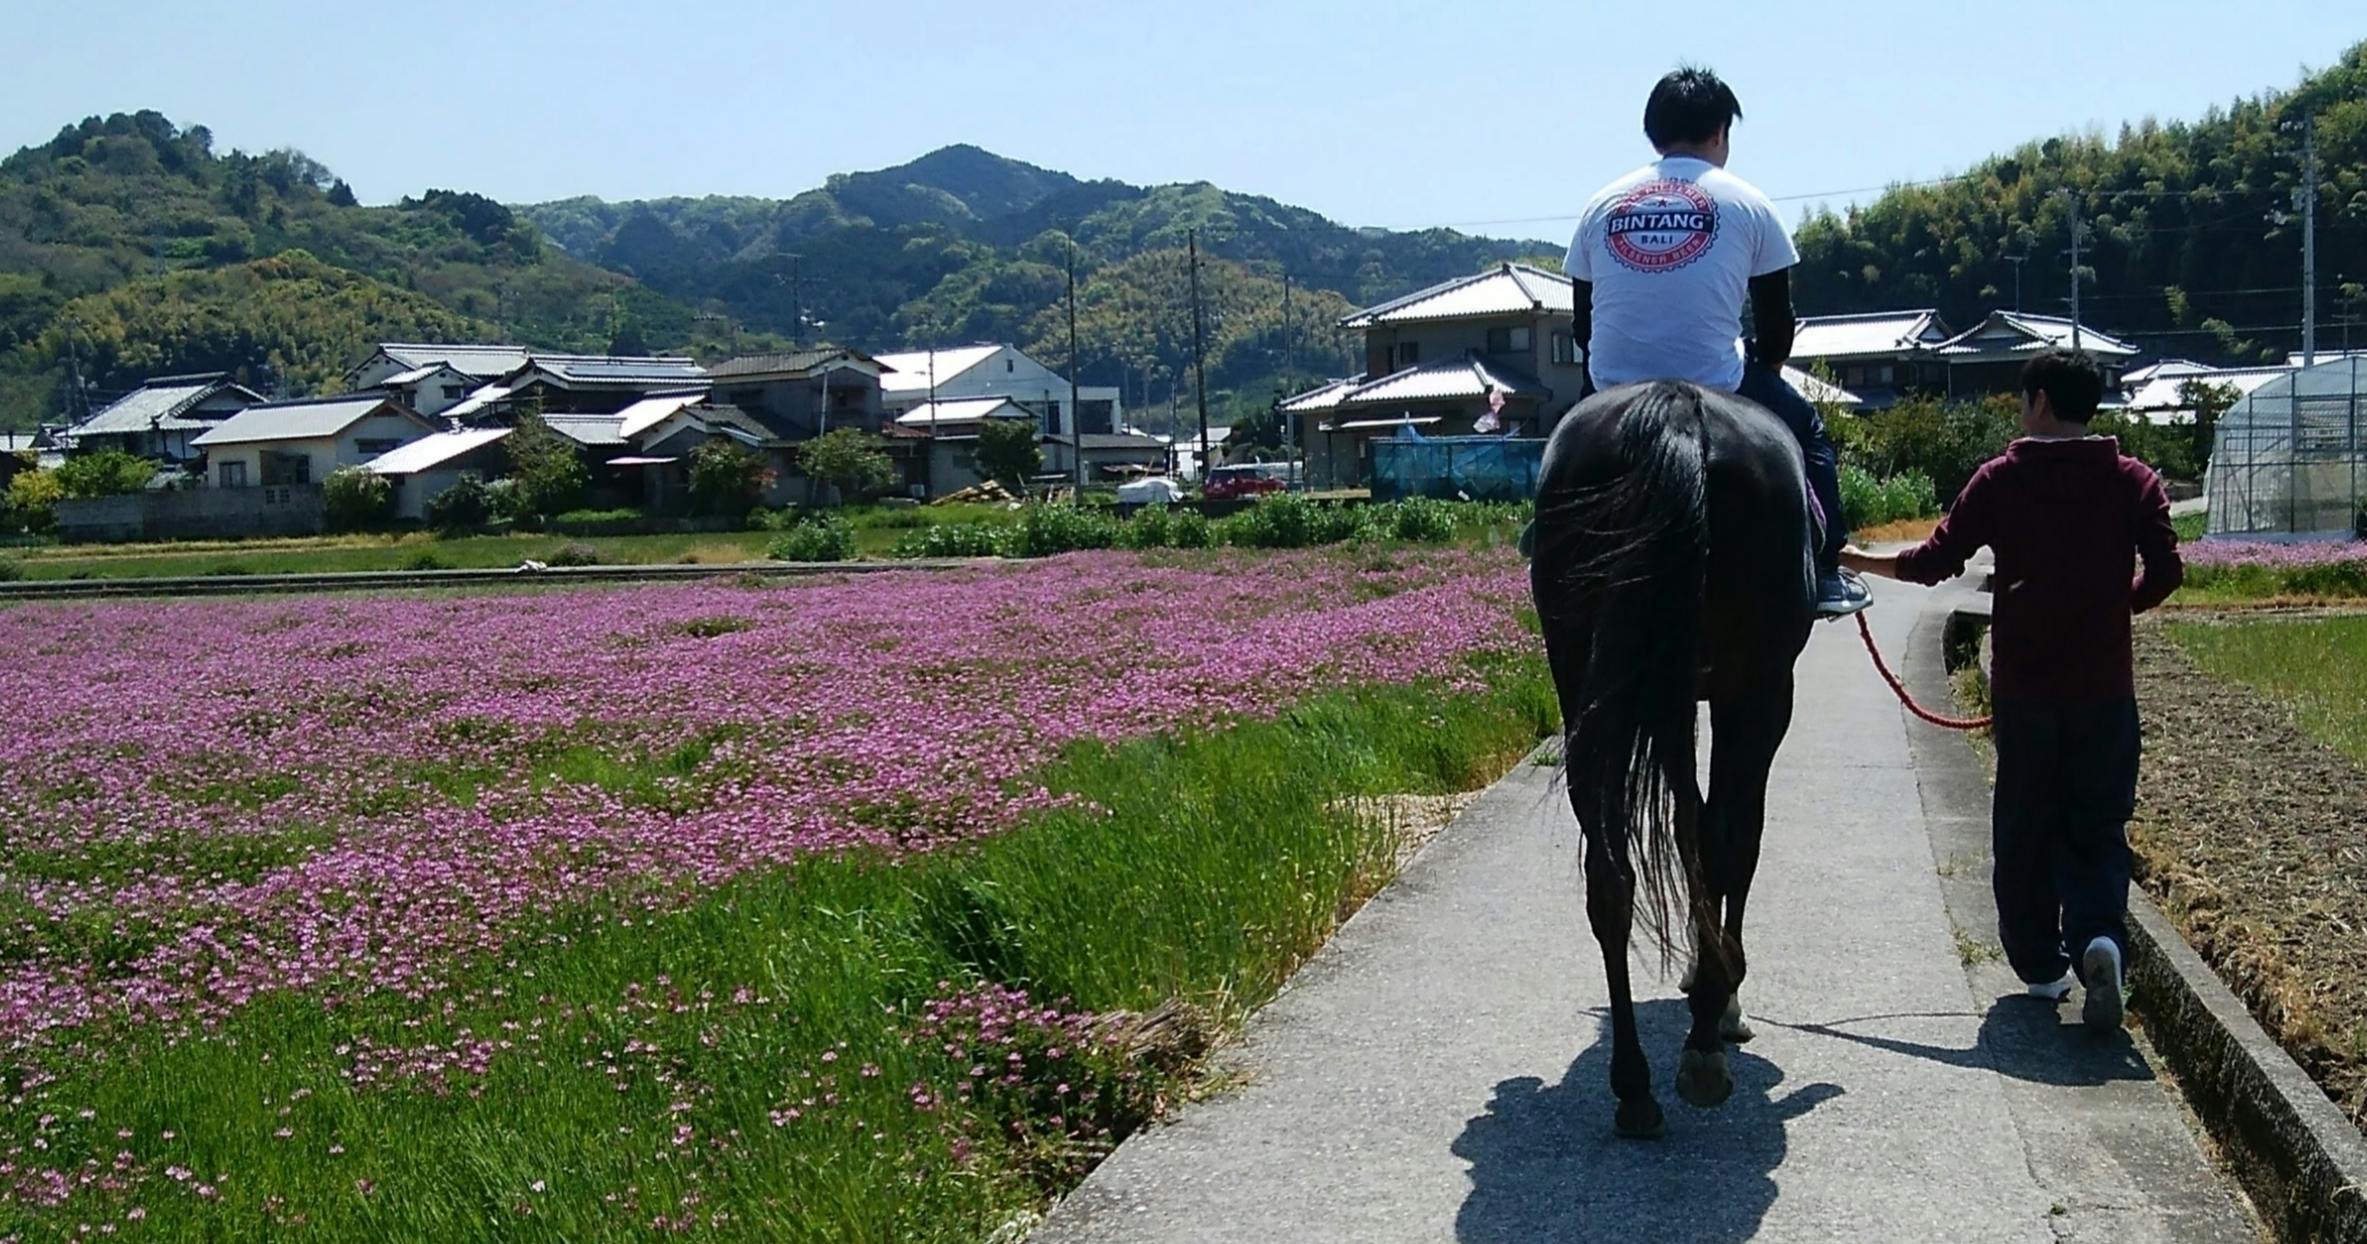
point(1545, 1165)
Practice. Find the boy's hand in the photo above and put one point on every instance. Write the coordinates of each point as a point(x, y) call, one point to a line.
point(1863, 562)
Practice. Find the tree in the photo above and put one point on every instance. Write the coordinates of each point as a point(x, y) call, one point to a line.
point(356, 498)
point(33, 498)
point(107, 473)
point(549, 468)
point(341, 195)
point(726, 477)
point(461, 509)
point(849, 459)
point(1008, 451)
point(2208, 401)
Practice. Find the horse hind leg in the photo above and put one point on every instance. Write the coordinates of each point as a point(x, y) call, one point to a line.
point(1610, 909)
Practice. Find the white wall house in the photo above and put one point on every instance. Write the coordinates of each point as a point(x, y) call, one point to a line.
point(431, 390)
point(426, 467)
point(914, 377)
point(300, 443)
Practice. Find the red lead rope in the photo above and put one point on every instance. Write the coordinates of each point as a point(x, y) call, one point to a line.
point(1899, 689)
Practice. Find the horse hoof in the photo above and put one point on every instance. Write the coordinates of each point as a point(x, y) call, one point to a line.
point(1732, 1026)
point(1639, 1120)
point(1701, 1078)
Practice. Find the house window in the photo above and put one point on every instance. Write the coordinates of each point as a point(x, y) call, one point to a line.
point(1512, 340)
point(373, 448)
point(1565, 349)
point(1010, 366)
point(455, 392)
point(1882, 374)
point(234, 475)
point(1408, 353)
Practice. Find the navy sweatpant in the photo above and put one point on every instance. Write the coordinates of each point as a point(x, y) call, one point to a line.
point(1766, 386)
point(2066, 786)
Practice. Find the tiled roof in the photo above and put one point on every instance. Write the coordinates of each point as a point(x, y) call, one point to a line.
point(655, 409)
point(1322, 397)
point(476, 402)
point(297, 421)
point(1507, 289)
point(909, 371)
point(589, 430)
point(2037, 332)
point(1444, 380)
point(963, 410)
point(485, 362)
point(1116, 440)
point(158, 404)
point(603, 369)
point(1875, 332)
point(433, 451)
point(2166, 392)
point(790, 362)
point(1818, 391)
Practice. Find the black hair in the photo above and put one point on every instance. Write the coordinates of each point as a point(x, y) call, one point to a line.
point(2072, 382)
point(1690, 105)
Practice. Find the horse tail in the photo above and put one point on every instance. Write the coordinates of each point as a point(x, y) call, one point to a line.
point(1624, 560)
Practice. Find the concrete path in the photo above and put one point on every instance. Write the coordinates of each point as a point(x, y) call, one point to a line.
point(1439, 1072)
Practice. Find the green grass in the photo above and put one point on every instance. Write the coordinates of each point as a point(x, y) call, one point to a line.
point(1201, 867)
point(2317, 665)
point(2189, 526)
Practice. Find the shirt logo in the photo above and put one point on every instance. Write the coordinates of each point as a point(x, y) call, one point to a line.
point(1661, 226)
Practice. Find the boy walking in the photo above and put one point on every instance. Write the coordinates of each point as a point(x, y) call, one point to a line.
point(2068, 515)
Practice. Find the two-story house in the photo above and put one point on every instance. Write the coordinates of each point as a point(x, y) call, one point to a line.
point(1988, 357)
point(917, 376)
point(1438, 359)
point(162, 419)
point(297, 444)
point(1881, 356)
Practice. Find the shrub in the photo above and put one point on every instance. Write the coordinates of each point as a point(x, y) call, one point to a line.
point(460, 509)
point(821, 538)
point(1190, 529)
point(953, 540)
point(726, 477)
point(103, 474)
point(1288, 521)
point(1152, 527)
point(849, 459)
point(1046, 530)
point(504, 501)
point(424, 560)
point(577, 554)
point(11, 569)
point(548, 468)
point(33, 498)
point(356, 499)
point(1946, 442)
point(1869, 501)
point(1422, 520)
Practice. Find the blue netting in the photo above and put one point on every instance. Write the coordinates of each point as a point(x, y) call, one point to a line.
point(1482, 468)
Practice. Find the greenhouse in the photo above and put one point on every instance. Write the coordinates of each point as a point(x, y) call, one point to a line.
point(2287, 458)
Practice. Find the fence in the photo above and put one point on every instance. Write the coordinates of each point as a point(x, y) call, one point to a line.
point(2290, 458)
point(1480, 468)
point(194, 514)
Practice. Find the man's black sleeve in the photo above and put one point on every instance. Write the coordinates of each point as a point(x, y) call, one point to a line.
point(1582, 315)
point(1771, 317)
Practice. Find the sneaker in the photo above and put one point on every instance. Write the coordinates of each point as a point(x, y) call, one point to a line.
point(1840, 593)
point(2053, 991)
point(2100, 968)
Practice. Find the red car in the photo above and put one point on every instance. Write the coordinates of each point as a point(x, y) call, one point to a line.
point(1246, 480)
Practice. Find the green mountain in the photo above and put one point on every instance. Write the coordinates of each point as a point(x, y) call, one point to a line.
point(129, 246)
point(2193, 233)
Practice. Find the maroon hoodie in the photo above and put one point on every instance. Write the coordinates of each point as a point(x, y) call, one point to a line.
point(2068, 519)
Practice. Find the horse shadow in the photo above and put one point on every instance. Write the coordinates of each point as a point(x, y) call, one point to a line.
point(1544, 1164)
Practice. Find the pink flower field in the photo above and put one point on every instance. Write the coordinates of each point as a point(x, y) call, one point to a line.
point(213, 802)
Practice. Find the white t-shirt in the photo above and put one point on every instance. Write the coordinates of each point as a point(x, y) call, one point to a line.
point(1670, 250)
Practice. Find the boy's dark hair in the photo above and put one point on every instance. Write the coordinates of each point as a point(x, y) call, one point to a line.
point(1690, 105)
point(2072, 382)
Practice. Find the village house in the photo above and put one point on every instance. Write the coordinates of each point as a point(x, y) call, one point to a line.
point(917, 376)
point(479, 363)
point(579, 384)
point(935, 444)
point(298, 443)
point(1880, 356)
point(1110, 457)
point(800, 394)
point(431, 390)
point(1435, 360)
point(421, 470)
point(162, 419)
point(1988, 357)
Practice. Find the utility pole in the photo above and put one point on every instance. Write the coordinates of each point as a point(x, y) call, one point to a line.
point(2017, 261)
point(1199, 372)
point(1290, 439)
point(2072, 197)
point(1076, 420)
point(2309, 240)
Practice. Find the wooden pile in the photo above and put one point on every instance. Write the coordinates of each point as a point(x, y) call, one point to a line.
point(988, 493)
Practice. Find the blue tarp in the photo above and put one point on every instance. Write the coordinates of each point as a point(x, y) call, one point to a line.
point(1482, 468)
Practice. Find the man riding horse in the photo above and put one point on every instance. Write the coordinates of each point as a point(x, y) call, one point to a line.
point(1663, 258)
point(1673, 562)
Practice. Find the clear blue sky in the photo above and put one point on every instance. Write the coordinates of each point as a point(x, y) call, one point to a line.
point(1373, 112)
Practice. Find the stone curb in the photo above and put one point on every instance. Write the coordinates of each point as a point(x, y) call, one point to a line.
point(381, 580)
point(2303, 1164)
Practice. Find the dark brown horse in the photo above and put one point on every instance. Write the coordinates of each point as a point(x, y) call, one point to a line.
point(1671, 566)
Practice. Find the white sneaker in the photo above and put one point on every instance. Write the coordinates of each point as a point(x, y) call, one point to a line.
point(2105, 1007)
point(2053, 991)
